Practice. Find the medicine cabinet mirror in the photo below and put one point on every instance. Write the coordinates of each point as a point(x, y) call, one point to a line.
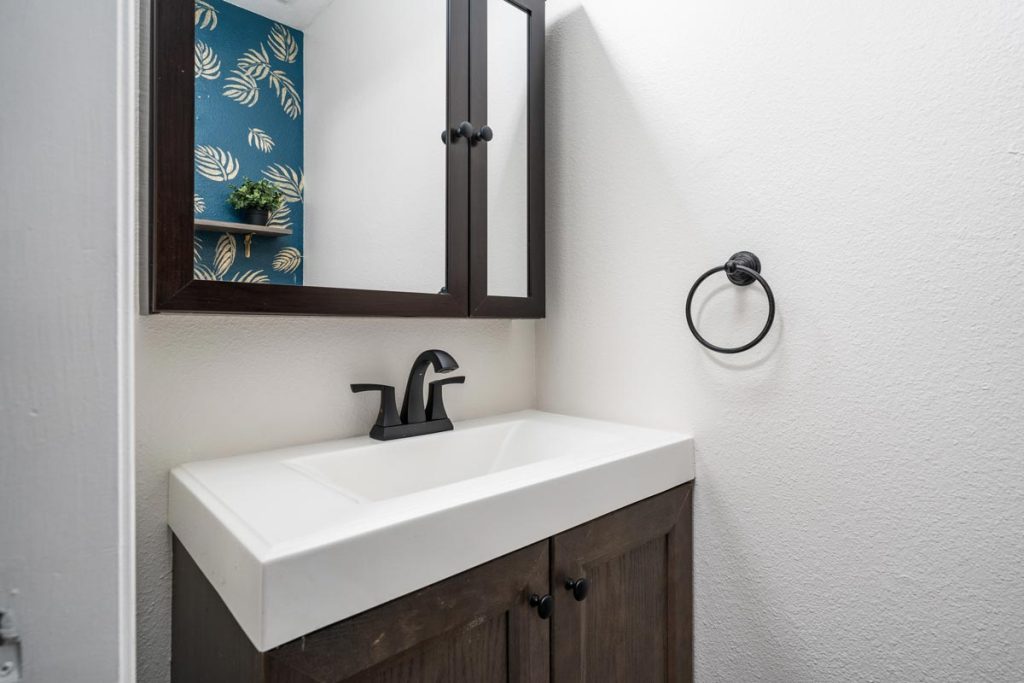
point(348, 157)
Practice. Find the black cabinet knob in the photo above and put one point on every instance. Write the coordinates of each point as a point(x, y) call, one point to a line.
point(465, 130)
point(579, 587)
point(485, 134)
point(545, 605)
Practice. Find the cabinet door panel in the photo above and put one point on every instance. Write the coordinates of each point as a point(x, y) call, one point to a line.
point(478, 652)
point(476, 626)
point(636, 620)
point(506, 212)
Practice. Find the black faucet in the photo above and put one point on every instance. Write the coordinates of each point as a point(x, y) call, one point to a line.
point(414, 419)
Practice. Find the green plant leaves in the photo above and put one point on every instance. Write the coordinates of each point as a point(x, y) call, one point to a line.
point(255, 194)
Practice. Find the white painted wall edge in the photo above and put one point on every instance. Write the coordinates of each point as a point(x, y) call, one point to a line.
point(127, 291)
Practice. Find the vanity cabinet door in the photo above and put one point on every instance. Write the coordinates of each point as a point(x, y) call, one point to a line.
point(635, 621)
point(476, 626)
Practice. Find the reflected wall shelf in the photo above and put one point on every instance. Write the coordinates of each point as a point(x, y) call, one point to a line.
point(240, 228)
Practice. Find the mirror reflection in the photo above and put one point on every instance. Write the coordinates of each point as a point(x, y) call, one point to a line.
point(508, 152)
point(318, 157)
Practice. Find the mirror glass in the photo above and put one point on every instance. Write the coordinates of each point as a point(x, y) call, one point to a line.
point(508, 152)
point(339, 106)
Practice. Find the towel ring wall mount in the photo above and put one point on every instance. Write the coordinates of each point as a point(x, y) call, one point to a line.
point(743, 268)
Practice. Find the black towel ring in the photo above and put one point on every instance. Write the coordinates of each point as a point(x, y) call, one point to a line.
point(742, 269)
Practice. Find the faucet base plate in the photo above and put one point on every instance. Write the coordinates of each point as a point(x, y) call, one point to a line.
point(414, 429)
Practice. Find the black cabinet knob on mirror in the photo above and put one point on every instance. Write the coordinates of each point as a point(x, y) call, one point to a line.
point(465, 130)
point(485, 134)
point(579, 587)
point(545, 605)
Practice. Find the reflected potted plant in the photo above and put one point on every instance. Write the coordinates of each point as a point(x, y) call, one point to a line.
point(256, 199)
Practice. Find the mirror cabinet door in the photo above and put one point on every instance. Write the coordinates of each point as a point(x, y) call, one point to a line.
point(507, 180)
point(348, 157)
point(320, 179)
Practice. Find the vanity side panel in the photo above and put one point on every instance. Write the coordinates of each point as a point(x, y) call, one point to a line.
point(207, 644)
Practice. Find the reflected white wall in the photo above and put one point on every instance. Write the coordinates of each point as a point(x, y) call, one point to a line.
point(375, 86)
point(507, 154)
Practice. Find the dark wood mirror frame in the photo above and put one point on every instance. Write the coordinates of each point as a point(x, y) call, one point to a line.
point(172, 286)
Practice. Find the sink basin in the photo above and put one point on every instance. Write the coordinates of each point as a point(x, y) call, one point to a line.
point(298, 538)
point(374, 472)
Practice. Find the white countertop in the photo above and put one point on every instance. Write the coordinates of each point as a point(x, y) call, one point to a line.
point(298, 538)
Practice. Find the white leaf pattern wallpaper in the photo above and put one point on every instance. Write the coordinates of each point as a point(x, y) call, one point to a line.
point(248, 125)
point(261, 140)
point(207, 62)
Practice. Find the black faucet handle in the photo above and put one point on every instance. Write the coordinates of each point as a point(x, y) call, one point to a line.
point(435, 399)
point(388, 415)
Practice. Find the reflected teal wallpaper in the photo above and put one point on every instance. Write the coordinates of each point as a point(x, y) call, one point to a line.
point(248, 74)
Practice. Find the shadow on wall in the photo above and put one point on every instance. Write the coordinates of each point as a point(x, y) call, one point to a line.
point(625, 284)
point(747, 586)
point(605, 168)
point(852, 488)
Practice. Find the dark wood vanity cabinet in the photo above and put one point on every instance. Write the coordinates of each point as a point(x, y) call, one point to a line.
point(634, 622)
point(475, 626)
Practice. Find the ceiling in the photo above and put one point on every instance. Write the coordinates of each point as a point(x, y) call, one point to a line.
point(295, 13)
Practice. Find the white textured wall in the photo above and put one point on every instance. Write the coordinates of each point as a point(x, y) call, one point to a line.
point(213, 386)
point(61, 557)
point(860, 484)
point(860, 491)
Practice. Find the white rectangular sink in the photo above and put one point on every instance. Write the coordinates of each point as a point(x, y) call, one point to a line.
point(378, 471)
point(298, 538)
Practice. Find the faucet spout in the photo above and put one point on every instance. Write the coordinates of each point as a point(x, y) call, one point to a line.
point(413, 410)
